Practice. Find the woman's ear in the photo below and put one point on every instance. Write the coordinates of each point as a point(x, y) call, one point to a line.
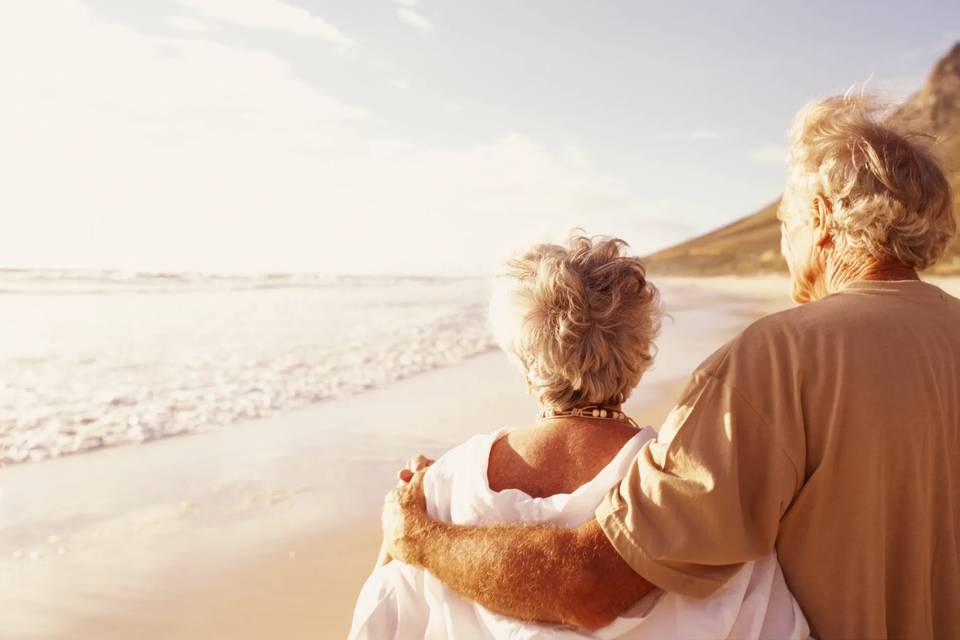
point(822, 210)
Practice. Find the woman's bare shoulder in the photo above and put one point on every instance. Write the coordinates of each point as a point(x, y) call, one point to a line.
point(545, 460)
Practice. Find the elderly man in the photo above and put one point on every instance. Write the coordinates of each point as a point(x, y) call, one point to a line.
point(829, 432)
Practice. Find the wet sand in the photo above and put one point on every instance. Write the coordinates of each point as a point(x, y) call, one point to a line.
point(267, 529)
point(232, 532)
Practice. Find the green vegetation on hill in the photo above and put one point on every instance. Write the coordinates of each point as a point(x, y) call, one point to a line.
point(751, 245)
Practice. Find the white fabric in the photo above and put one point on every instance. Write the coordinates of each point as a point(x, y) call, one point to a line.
point(400, 601)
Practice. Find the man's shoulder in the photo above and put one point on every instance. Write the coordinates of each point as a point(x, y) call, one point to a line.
point(784, 338)
point(794, 323)
point(762, 364)
point(767, 339)
point(797, 318)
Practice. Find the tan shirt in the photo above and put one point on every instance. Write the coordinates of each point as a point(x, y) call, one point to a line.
point(830, 432)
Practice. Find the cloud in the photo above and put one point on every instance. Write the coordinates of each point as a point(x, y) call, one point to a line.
point(400, 83)
point(414, 19)
point(269, 14)
point(771, 154)
point(408, 3)
point(132, 150)
point(186, 23)
point(706, 135)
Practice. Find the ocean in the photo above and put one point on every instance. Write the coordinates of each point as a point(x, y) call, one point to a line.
point(98, 359)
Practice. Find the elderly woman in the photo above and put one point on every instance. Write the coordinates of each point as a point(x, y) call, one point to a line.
point(829, 432)
point(580, 321)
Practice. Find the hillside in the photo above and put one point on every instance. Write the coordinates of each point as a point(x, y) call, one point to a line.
point(752, 244)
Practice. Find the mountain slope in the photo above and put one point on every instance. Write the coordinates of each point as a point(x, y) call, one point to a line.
point(752, 245)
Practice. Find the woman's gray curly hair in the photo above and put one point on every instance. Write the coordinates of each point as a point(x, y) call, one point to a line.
point(890, 199)
point(581, 319)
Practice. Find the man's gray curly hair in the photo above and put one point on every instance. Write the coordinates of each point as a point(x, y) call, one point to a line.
point(890, 199)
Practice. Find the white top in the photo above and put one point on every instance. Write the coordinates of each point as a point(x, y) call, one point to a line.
point(400, 601)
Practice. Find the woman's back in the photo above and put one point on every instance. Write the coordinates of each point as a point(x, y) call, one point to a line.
point(555, 457)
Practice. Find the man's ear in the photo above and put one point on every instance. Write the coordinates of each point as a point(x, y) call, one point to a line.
point(822, 210)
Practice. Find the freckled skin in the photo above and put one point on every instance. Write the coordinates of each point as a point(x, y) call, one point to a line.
point(556, 456)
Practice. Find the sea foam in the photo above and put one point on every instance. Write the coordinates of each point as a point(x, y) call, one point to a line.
point(105, 360)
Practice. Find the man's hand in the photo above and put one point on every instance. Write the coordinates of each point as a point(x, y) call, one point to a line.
point(417, 463)
point(404, 518)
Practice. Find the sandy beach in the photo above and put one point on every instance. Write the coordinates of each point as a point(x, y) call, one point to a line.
point(267, 528)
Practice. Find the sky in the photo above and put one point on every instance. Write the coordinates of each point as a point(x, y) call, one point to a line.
point(411, 136)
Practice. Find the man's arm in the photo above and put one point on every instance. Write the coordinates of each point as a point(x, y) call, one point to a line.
point(536, 573)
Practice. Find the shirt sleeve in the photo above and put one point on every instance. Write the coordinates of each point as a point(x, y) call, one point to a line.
point(706, 496)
